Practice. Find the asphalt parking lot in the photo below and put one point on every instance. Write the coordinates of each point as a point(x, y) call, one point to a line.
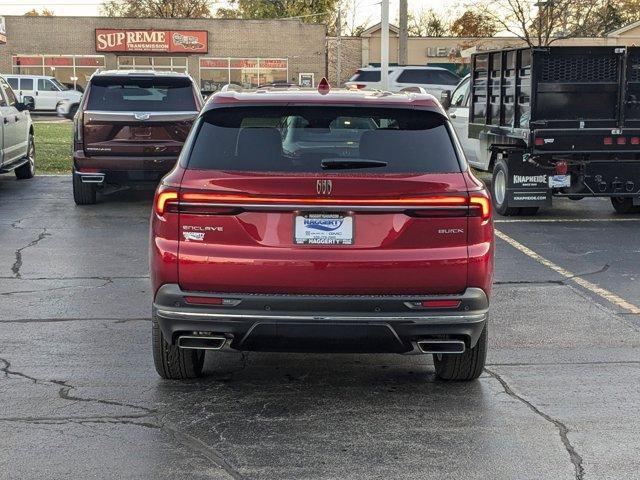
point(79, 397)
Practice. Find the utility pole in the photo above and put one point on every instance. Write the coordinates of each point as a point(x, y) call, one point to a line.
point(384, 46)
point(404, 33)
point(339, 47)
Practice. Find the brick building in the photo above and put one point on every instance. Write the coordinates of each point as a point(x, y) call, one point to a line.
point(212, 51)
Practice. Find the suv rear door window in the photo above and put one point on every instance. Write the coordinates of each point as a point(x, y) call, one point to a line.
point(428, 77)
point(366, 76)
point(141, 94)
point(310, 139)
point(13, 82)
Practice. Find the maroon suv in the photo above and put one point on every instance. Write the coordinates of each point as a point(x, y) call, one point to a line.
point(314, 221)
point(130, 127)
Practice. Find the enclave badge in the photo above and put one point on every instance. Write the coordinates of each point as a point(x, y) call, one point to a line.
point(141, 116)
point(324, 187)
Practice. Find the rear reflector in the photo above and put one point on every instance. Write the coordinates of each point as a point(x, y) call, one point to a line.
point(539, 141)
point(441, 303)
point(608, 140)
point(635, 140)
point(204, 300)
point(621, 141)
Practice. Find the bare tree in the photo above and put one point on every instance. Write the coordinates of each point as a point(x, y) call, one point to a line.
point(427, 23)
point(352, 24)
point(541, 22)
point(157, 8)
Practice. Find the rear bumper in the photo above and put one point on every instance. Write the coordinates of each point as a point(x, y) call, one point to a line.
point(358, 323)
point(159, 165)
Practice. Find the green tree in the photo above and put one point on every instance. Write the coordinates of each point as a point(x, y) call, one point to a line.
point(157, 8)
point(472, 24)
point(310, 11)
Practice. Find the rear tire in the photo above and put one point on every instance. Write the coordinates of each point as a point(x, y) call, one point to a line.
point(463, 367)
point(83, 193)
point(175, 363)
point(499, 194)
point(624, 205)
point(28, 170)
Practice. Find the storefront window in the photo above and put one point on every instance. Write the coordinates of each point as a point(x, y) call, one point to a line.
point(246, 72)
point(70, 70)
point(164, 64)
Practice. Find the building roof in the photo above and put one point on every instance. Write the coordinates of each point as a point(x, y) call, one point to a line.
point(378, 26)
point(625, 29)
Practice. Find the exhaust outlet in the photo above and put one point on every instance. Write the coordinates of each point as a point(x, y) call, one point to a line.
point(92, 177)
point(441, 346)
point(201, 342)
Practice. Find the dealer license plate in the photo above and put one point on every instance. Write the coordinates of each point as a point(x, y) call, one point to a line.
point(323, 229)
point(559, 181)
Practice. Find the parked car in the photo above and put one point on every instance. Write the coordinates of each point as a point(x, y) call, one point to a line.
point(49, 94)
point(321, 221)
point(457, 106)
point(130, 128)
point(17, 146)
point(433, 79)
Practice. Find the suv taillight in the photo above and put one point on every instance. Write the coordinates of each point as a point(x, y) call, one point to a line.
point(480, 205)
point(78, 121)
point(166, 197)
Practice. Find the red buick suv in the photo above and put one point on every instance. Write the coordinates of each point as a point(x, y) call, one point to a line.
point(328, 221)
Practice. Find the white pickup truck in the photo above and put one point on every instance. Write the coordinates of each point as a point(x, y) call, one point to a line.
point(17, 147)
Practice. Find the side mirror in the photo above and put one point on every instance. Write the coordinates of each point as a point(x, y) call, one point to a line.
point(445, 99)
point(28, 103)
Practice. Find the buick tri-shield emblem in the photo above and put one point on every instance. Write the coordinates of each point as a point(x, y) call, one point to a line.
point(324, 187)
point(141, 116)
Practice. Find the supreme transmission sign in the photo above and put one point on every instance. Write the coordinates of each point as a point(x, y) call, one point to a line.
point(152, 41)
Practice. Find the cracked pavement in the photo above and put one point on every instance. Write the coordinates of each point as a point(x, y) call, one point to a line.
point(79, 397)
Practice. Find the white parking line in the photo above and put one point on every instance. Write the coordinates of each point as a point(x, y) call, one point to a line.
point(561, 220)
point(587, 285)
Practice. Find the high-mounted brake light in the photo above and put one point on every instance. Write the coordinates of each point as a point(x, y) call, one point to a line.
point(163, 198)
point(635, 140)
point(324, 87)
point(539, 141)
point(621, 140)
point(608, 140)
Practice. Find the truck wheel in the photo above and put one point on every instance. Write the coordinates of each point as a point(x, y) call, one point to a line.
point(465, 366)
point(83, 193)
point(28, 170)
point(624, 205)
point(499, 190)
point(174, 363)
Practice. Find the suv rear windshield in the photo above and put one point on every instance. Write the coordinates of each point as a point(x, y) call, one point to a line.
point(126, 94)
point(315, 139)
